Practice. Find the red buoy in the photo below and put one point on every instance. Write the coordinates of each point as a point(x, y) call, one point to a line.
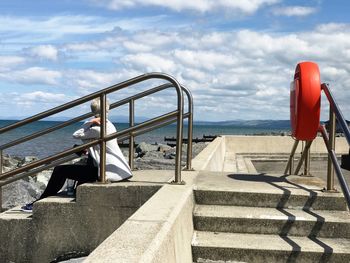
point(305, 101)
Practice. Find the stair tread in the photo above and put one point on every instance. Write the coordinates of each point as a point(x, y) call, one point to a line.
point(15, 213)
point(270, 242)
point(261, 184)
point(263, 213)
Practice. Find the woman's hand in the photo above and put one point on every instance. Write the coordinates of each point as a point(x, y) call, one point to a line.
point(96, 121)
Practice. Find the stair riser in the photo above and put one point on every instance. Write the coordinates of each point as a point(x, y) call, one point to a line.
point(250, 255)
point(270, 200)
point(268, 226)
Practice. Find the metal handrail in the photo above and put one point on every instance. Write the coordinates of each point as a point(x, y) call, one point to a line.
point(177, 115)
point(335, 113)
point(139, 129)
point(335, 108)
point(112, 106)
point(343, 184)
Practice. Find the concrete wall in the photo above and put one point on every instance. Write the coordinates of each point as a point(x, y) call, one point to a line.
point(212, 157)
point(160, 231)
point(277, 144)
point(62, 226)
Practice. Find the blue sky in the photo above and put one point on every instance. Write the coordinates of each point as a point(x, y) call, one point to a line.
point(237, 57)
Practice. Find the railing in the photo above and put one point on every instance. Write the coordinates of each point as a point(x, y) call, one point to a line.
point(134, 130)
point(333, 165)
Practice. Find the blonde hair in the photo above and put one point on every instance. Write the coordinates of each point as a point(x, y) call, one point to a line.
point(96, 108)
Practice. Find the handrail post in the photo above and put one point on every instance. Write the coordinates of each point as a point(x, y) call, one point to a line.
point(307, 163)
point(189, 142)
point(190, 129)
point(330, 167)
point(290, 164)
point(102, 137)
point(1, 164)
point(131, 138)
point(302, 157)
point(179, 135)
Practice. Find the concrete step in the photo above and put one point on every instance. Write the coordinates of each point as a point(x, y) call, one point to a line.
point(286, 199)
point(265, 190)
point(296, 222)
point(216, 246)
point(15, 229)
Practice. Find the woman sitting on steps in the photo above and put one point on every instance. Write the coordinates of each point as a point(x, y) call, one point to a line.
point(117, 168)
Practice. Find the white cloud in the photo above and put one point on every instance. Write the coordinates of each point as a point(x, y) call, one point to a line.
point(58, 25)
point(202, 6)
point(9, 62)
point(149, 62)
point(40, 97)
point(48, 52)
point(232, 74)
point(294, 11)
point(34, 75)
point(208, 60)
point(243, 71)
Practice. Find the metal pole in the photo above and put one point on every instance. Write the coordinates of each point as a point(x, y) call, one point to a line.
point(103, 134)
point(1, 162)
point(189, 142)
point(131, 138)
point(343, 184)
point(335, 108)
point(190, 129)
point(290, 164)
point(307, 163)
point(179, 135)
point(303, 155)
point(330, 166)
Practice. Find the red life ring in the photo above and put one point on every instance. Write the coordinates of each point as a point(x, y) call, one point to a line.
point(305, 101)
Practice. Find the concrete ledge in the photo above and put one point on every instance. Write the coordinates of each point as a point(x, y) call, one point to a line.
point(212, 157)
point(15, 229)
point(277, 144)
point(160, 231)
point(61, 226)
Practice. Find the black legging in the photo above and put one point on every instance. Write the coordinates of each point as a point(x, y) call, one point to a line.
point(80, 173)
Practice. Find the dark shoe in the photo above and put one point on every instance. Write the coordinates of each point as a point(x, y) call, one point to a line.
point(27, 208)
point(126, 179)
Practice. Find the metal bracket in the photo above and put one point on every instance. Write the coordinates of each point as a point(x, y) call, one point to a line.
point(177, 183)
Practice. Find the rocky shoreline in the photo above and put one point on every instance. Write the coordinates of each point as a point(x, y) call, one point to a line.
point(147, 157)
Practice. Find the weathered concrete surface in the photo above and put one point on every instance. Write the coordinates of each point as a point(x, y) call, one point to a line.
point(160, 231)
point(268, 218)
point(162, 228)
point(277, 144)
point(218, 188)
point(15, 236)
point(64, 225)
point(268, 248)
point(212, 157)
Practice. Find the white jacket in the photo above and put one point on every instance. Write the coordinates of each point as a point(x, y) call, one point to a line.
point(117, 167)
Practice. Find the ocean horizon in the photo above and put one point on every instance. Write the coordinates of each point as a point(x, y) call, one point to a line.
point(62, 139)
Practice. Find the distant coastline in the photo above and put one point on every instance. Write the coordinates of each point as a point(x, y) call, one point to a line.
point(282, 124)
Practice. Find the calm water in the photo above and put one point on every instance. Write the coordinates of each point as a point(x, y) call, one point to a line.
point(62, 139)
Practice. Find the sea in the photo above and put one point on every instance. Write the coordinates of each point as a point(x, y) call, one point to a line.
point(62, 139)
